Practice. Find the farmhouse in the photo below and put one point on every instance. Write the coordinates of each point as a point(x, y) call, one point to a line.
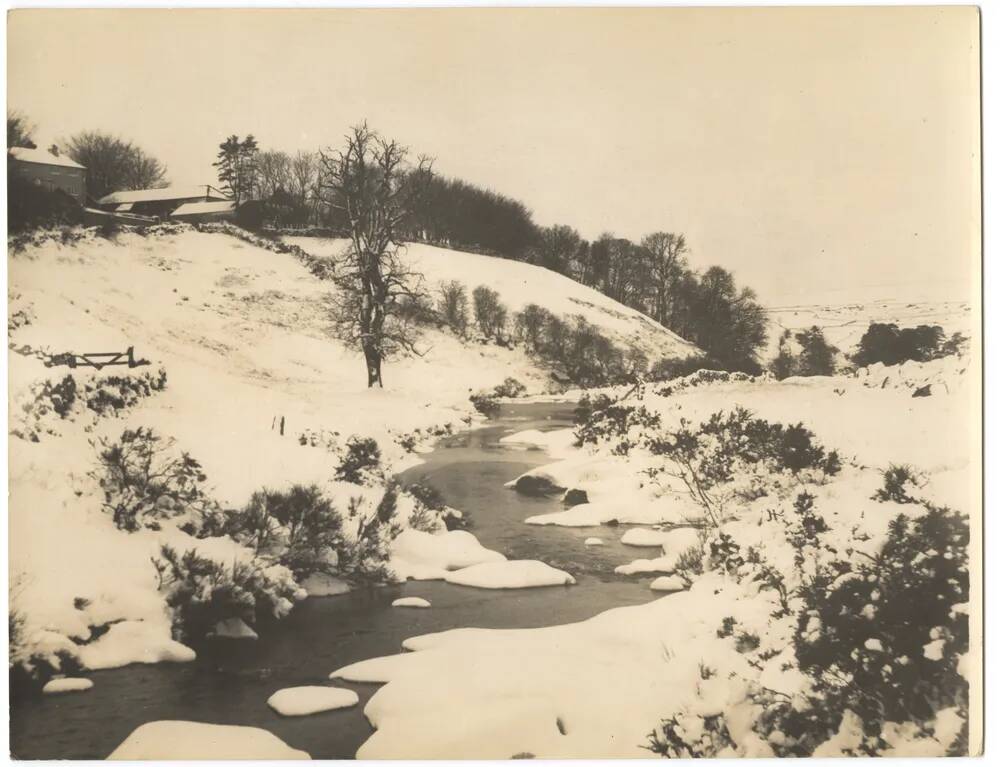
point(159, 202)
point(50, 171)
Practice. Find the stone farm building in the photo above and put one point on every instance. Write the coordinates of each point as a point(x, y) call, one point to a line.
point(164, 203)
point(50, 171)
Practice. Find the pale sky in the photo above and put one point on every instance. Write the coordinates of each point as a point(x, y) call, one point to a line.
point(818, 153)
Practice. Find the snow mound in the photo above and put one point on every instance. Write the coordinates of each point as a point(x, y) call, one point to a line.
point(668, 583)
point(518, 574)
point(323, 585)
point(190, 741)
point(425, 556)
point(302, 701)
point(557, 442)
point(640, 536)
point(66, 684)
point(675, 542)
point(410, 602)
point(134, 642)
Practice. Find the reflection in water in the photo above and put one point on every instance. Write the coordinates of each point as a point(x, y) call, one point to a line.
point(232, 680)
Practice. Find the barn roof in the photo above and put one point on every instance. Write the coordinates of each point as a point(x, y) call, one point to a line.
point(191, 208)
point(42, 157)
point(162, 195)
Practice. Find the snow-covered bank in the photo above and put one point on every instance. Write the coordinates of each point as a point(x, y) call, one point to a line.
point(257, 391)
point(724, 666)
point(187, 741)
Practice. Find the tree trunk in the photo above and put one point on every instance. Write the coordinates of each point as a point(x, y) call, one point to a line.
point(373, 361)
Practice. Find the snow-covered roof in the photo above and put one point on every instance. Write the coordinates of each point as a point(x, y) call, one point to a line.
point(188, 208)
point(42, 157)
point(160, 195)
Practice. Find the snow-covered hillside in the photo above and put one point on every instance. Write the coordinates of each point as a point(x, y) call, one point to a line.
point(243, 336)
point(520, 284)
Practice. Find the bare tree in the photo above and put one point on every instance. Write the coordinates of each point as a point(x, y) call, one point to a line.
point(304, 174)
point(274, 172)
point(667, 262)
point(367, 183)
point(114, 164)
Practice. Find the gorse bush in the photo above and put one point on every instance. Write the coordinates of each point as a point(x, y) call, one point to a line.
point(736, 456)
point(361, 462)
point(65, 399)
point(898, 484)
point(202, 592)
point(882, 637)
point(144, 480)
point(427, 495)
point(364, 553)
point(621, 426)
point(510, 388)
point(485, 402)
point(298, 528)
point(114, 393)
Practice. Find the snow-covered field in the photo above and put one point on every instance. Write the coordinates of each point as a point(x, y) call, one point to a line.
point(844, 324)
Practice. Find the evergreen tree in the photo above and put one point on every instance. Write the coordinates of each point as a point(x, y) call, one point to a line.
point(237, 167)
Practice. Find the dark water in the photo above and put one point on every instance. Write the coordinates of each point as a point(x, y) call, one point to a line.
point(231, 681)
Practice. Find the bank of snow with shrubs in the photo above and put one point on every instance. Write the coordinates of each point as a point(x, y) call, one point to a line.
point(247, 466)
point(816, 532)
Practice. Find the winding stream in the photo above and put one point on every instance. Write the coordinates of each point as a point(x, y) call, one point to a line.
point(231, 681)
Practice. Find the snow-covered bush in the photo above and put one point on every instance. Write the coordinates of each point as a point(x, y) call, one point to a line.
point(361, 463)
point(112, 394)
point(144, 480)
point(298, 528)
point(602, 420)
point(510, 388)
point(485, 402)
point(883, 637)
point(704, 376)
point(899, 483)
point(364, 551)
point(878, 635)
point(668, 368)
point(734, 456)
point(202, 592)
point(65, 399)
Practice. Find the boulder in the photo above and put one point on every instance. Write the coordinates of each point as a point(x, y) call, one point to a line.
point(574, 497)
point(531, 484)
